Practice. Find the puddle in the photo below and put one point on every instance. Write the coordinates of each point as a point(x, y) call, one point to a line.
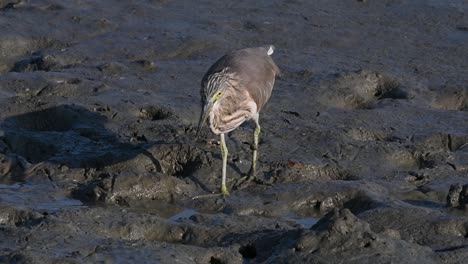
point(161, 209)
point(165, 210)
point(38, 197)
point(304, 222)
point(307, 222)
point(183, 214)
point(12, 186)
point(426, 204)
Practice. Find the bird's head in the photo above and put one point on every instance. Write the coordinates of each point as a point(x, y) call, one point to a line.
point(208, 100)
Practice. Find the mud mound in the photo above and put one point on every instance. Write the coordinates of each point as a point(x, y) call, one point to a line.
point(292, 171)
point(113, 68)
point(41, 136)
point(33, 149)
point(316, 199)
point(338, 235)
point(38, 63)
point(19, 46)
point(15, 217)
point(361, 90)
point(180, 160)
point(349, 236)
point(166, 171)
point(451, 97)
point(156, 113)
point(12, 168)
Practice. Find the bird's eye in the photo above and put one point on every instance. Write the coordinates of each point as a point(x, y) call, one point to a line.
point(216, 96)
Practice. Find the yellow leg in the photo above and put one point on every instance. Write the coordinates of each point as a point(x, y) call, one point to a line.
point(224, 191)
point(251, 175)
point(253, 170)
point(224, 153)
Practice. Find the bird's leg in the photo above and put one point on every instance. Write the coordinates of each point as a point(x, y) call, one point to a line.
point(253, 170)
point(224, 153)
point(244, 181)
point(224, 191)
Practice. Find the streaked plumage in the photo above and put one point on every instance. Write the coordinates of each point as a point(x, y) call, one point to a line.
point(234, 89)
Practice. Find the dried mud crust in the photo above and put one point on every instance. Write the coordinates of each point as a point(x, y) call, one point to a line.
point(363, 151)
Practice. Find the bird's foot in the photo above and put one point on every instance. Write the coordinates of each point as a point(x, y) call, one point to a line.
point(244, 181)
point(223, 194)
point(211, 195)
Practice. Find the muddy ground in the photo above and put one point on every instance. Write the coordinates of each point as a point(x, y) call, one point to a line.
point(363, 151)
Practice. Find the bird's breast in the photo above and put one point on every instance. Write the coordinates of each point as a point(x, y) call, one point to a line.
point(230, 112)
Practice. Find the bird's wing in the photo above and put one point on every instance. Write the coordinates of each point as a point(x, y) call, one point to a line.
point(260, 79)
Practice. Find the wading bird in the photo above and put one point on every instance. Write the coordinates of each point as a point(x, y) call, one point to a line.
point(234, 90)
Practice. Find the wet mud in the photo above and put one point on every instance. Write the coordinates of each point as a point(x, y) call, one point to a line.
point(363, 152)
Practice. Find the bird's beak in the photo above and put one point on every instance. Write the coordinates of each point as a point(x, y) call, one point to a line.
point(203, 117)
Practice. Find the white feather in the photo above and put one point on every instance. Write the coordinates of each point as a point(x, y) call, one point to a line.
point(271, 50)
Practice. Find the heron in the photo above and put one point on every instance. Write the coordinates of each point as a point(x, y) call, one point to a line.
point(234, 90)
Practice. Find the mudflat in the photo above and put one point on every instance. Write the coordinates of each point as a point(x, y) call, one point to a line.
point(363, 154)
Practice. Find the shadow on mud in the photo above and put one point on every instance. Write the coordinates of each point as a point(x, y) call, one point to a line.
point(67, 135)
point(72, 138)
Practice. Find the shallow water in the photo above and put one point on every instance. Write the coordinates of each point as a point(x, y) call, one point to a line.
point(41, 198)
point(306, 222)
point(187, 213)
